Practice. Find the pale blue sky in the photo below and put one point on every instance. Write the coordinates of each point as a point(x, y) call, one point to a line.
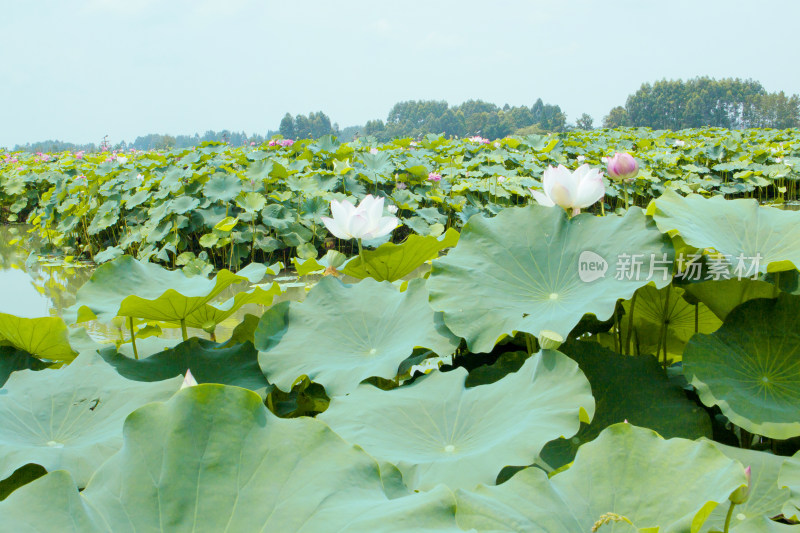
point(77, 70)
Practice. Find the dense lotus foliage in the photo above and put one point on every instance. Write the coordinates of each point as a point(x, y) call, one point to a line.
point(491, 364)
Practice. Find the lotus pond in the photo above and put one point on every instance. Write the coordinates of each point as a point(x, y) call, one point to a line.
point(489, 365)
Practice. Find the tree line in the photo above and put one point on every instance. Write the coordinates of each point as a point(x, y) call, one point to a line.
point(700, 102)
point(667, 104)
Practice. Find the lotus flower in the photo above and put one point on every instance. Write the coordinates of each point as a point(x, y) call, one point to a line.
point(434, 176)
point(373, 151)
point(400, 185)
point(622, 167)
point(363, 222)
point(742, 494)
point(571, 190)
point(188, 380)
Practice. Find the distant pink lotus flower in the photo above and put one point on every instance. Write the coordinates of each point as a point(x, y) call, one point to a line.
point(272, 142)
point(252, 143)
point(373, 151)
point(434, 176)
point(286, 142)
point(497, 144)
point(400, 185)
point(79, 155)
point(501, 179)
point(622, 166)
point(479, 139)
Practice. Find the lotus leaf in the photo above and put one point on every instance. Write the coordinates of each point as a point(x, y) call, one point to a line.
point(732, 227)
point(749, 367)
point(789, 476)
point(766, 496)
point(438, 431)
point(44, 337)
point(391, 262)
point(69, 418)
point(127, 287)
point(627, 470)
point(209, 362)
point(342, 334)
point(519, 271)
point(628, 388)
point(214, 459)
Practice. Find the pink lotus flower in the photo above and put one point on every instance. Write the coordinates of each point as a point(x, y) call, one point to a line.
point(252, 143)
point(272, 142)
point(479, 139)
point(373, 151)
point(622, 166)
point(434, 176)
point(400, 185)
point(571, 190)
point(286, 142)
point(742, 494)
point(79, 155)
point(363, 222)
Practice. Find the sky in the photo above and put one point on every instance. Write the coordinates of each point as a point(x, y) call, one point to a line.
point(80, 69)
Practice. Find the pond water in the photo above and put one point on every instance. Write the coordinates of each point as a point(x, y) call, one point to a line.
point(32, 287)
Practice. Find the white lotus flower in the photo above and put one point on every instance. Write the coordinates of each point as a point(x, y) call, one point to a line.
point(188, 380)
point(571, 190)
point(362, 222)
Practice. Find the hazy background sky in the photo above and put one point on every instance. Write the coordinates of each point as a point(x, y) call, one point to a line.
point(78, 70)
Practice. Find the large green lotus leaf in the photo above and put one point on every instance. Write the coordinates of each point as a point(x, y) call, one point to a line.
point(71, 417)
point(209, 362)
point(213, 459)
point(628, 388)
point(127, 287)
point(44, 337)
point(342, 334)
point(750, 367)
point(739, 228)
point(12, 359)
point(766, 496)
point(519, 271)
point(664, 311)
point(667, 485)
point(722, 296)
point(789, 476)
point(438, 431)
point(390, 262)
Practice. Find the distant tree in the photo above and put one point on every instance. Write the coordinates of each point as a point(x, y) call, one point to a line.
point(287, 126)
point(584, 122)
point(616, 118)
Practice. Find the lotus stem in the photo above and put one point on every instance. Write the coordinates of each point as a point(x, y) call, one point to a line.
point(133, 337)
point(183, 330)
point(776, 290)
point(361, 253)
point(662, 341)
point(625, 191)
point(630, 326)
point(697, 317)
point(728, 518)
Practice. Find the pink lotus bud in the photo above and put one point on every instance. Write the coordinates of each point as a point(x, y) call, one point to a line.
point(622, 166)
point(434, 176)
point(742, 494)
